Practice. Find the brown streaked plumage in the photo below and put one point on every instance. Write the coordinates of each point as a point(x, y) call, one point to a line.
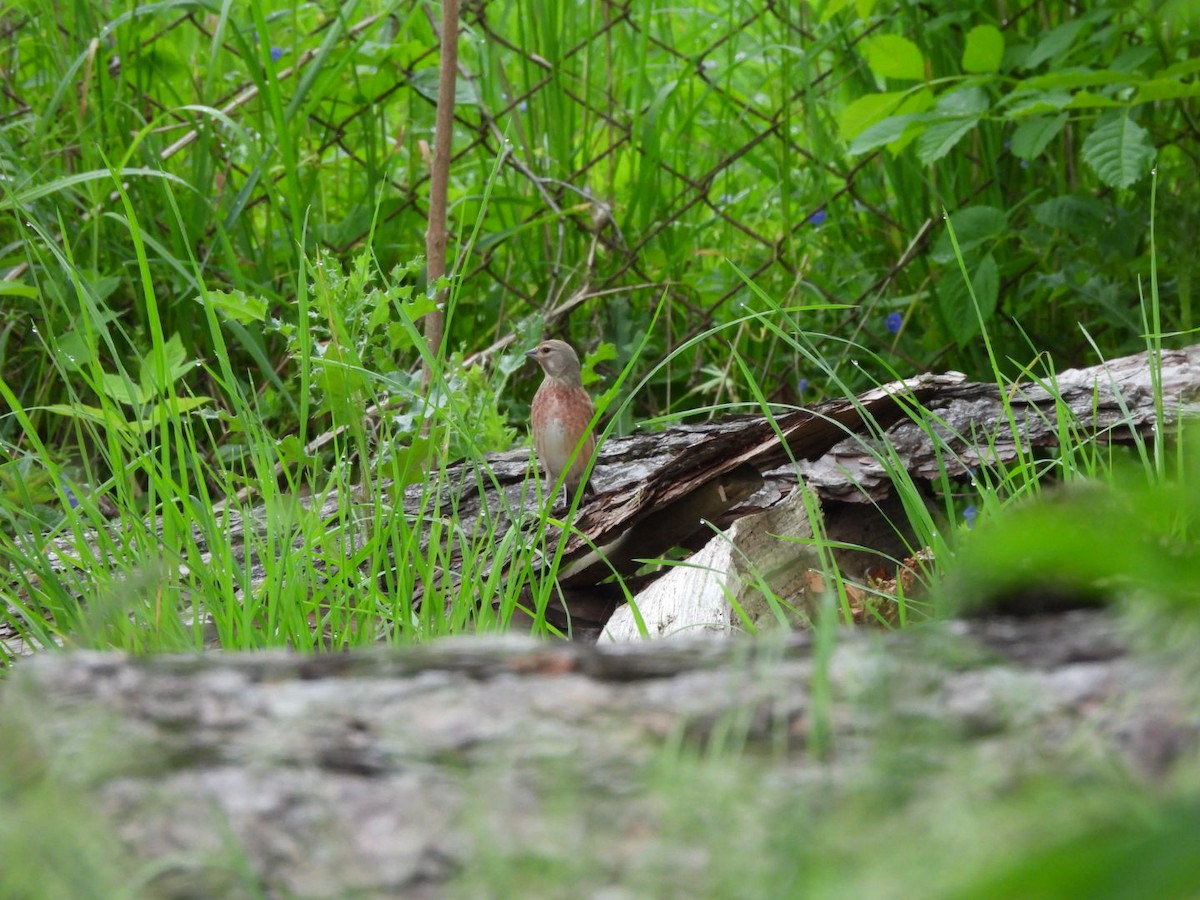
point(562, 416)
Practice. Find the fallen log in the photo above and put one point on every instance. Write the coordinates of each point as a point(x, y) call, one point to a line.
point(667, 491)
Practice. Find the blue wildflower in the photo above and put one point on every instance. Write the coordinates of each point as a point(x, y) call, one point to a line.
point(970, 514)
point(276, 53)
point(893, 322)
point(818, 217)
point(801, 385)
point(72, 500)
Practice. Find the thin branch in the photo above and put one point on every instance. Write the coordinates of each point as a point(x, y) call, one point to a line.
point(435, 234)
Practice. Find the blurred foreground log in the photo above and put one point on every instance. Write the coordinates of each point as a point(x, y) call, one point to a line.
point(410, 773)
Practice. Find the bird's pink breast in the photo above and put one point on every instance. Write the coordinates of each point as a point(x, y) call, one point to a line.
point(561, 415)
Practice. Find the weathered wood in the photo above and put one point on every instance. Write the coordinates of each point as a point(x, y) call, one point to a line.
point(1110, 403)
point(725, 586)
point(975, 424)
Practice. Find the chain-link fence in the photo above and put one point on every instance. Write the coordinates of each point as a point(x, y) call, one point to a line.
point(612, 150)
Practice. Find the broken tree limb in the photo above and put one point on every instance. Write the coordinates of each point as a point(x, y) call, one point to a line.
point(749, 576)
point(1110, 403)
point(934, 428)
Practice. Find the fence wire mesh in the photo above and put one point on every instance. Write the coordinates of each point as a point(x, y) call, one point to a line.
point(610, 151)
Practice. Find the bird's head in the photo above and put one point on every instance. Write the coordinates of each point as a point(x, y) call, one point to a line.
point(557, 360)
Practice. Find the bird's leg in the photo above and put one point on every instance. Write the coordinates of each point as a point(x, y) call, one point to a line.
point(549, 492)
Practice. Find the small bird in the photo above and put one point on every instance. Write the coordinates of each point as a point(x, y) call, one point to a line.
point(562, 417)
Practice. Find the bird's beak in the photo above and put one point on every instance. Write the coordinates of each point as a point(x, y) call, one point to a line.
point(531, 353)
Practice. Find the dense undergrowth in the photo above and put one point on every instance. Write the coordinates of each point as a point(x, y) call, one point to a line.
point(210, 222)
point(209, 217)
point(857, 125)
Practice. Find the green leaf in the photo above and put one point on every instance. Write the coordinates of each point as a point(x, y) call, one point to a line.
point(170, 410)
point(416, 307)
point(28, 195)
point(1088, 100)
point(968, 101)
point(118, 387)
point(955, 301)
point(175, 366)
point(16, 289)
point(828, 9)
point(425, 83)
point(1055, 44)
point(104, 416)
point(1186, 67)
point(984, 49)
point(1078, 78)
point(1033, 135)
point(890, 131)
point(1030, 103)
point(237, 305)
point(103, 287)
point(73, 350)
point(972, 226)
point(866, 111)
point(1165, 89)
point(605, 352)
point(1133, 59)
point(409, 461)
point(893, 56)
point(939, 139)
point(1119, 151)
point(176, 356)
point(1077, 213)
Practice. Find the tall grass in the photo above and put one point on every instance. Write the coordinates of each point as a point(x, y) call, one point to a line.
point(206, 224)
point(174, 480)
point(683, 138)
